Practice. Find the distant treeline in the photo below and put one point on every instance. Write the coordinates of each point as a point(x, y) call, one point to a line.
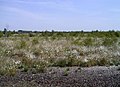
point(110, 33)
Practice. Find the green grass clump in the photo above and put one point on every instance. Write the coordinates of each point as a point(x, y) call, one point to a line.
point(75, 62)
point(25, 68)
point(34, 66)
point(88, 41)
point(9, 71)
point(116, 62)
point(36, 52)
point(70, 61)
point(26, 62)
point(102, 62)
point(35, 41)
point(94, 62)
point(60, 63)
point(109, 41)
point(40, 66)
point(65, 72)
point(90, 62)
point(21, 44)
point(7, 67)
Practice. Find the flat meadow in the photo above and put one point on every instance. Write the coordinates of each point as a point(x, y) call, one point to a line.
point(58, 54)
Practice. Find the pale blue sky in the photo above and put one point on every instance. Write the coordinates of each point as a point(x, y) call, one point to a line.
point(60, 14)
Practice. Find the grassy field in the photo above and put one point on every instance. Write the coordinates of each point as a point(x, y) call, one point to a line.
point(35, 52)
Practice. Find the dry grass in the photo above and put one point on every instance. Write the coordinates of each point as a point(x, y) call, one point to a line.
point(25, 52)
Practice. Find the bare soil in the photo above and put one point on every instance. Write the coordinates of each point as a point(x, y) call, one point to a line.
point(98, 76)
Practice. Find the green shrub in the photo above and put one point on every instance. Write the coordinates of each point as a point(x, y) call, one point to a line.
point(92, 62)
point(117, 34)
point(21, 44)
point(102, 62)
point(70, 61)
point(1, 34)
point(109, 41)
point(7, 66)
point(12, 71)
point(65, 73)
point(81, 63)
point(116, 62)
point(77, 42)
point(35, 41)
point(53, 37)
point(26, 62)
point(88, 41)
point(40, 69)
point(60, 63)
point(51, 61)
point(25, 68)
point(2, 71)
point(40, 66)
point(9, 71)
point(37, 52)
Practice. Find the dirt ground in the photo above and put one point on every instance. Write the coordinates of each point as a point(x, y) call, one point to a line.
point(98, 76)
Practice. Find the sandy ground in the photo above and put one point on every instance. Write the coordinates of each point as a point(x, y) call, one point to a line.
point(66, 77)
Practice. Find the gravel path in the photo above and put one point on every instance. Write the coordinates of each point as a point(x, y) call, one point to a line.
point(66, 77)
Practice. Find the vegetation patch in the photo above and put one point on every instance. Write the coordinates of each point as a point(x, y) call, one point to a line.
point(35, 51)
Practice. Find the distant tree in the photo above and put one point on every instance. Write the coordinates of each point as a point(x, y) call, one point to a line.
point(96, 31)
point(82, 31)
point(5, 32)
point(13, 32)
point(53, 31)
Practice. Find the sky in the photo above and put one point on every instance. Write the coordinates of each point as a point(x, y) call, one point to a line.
point(60, 15)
